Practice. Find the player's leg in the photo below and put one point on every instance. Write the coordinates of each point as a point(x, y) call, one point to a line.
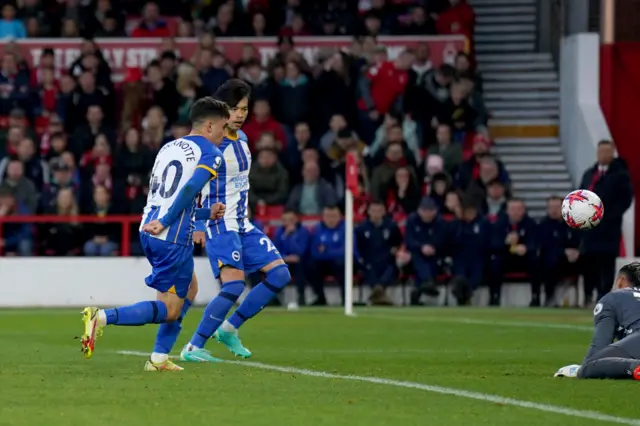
point(259, 253)
point(613, 362)
point(225, 254)
point(172, 269)
point(169, 331)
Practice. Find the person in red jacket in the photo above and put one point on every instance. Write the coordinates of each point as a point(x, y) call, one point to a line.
point(151, 25)
point(262, 122)
point(458, 19)
point(381, 90)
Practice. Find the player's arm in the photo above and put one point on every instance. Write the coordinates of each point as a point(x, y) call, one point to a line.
point(605, 324)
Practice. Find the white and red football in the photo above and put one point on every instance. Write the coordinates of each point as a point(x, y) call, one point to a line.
point(582, 209)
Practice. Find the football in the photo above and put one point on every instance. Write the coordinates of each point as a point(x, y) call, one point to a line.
point(582, 209)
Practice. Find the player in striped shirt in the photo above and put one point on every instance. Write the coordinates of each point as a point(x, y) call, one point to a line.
point(182, 168)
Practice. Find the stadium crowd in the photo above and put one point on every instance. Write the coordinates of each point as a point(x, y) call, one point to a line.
point(73, 141)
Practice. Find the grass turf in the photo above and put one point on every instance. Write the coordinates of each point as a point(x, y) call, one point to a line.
point(511, 353)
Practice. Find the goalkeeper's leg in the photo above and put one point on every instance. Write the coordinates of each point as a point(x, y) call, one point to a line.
point(613, 362)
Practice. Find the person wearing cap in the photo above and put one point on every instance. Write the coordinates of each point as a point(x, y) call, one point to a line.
point(472, 237)
point(62, 178)
point(513, 248)
point(425, 238)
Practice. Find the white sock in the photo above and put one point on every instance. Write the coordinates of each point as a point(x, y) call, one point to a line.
point(157, 358)
point(226, 326)
point(191, 347)
point(102, 317)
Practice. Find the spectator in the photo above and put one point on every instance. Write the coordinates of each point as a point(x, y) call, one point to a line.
point(463, 69)
point(258, 25)
point(189, 88)
point(495, 203)
point(470, 168)
point(403, 195)
point(294, 91)
point(23, 190)
point(269, 180)
point(393, 129)
point(337, 123)
point(513, 249)
point(425, 240)
point(151, 24)
point(292, 241)
point(334, 92)
point(85, 135)
point(559, 250)
point(451, 152)
point(263, 86)
point(47, 93)
point(224, 25)
point(14, 85)
point(346, 140)
point(381, 90)
point(80, 101)
point(10, 26)
point(163, 93)
point(110, 27)
point(62, 179)
point(211, 69)
point(17, 238)
point(384, 174)
point(420, 23)
point(456, 110)
point(421, 65)
point(378, 240)
point(314, 194)
point(609, 178)
point(134, 99)
point(488, 172)
point(35, 169)
point(327, 253)
point(440, 187)
point(472, 238)
point(261, 121)
point(62, 239)
point(132, 158)
point(292, 154)
point(54, 146)
point(453, 205)
point(101, 235)
point(99, 154)
point(457, 19)
point(153, 129)
point(67, 88)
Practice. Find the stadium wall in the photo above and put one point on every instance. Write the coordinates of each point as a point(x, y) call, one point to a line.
point(620, 91)
point(583, 122)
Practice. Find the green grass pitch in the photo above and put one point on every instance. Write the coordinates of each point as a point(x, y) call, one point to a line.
point(386, 367)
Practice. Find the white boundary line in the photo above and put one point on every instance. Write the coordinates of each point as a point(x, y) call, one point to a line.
point(555, 409)
point(474, 321)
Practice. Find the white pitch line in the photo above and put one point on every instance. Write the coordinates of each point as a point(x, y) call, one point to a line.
point(548, 408)
point(474, 321)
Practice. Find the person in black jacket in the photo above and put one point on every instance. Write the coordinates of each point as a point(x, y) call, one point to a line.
point(559, 249)
point(378, 239)
point(425, 239)
point(513, 249)
point(472, 238)
point(609, 178)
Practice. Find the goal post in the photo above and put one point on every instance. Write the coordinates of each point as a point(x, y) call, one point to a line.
point(351, 177)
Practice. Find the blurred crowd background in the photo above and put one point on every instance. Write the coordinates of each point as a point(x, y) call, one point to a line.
point(79, 140)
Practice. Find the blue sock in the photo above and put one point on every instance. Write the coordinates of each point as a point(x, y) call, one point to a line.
point(139, 314)
point(169, 331)
point(260, 296)
point(216, 311)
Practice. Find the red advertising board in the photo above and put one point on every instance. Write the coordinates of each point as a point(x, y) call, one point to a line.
point(123, 53)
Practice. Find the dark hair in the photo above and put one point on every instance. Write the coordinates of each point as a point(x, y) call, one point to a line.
point(605, 142)
point(499, 182)
point(290, 211)
point(516, 200)
point(208, 108)
point(233, 91)
point(48, 51)
point(168, 54)
point(377, 201)
point(447, 71)
point(632, 272)
point(554, 198)
point(332, 207)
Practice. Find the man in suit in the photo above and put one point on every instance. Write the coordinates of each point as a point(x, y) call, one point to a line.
point(609, 178)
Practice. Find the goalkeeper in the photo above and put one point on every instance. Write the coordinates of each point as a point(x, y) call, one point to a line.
point(616, 317)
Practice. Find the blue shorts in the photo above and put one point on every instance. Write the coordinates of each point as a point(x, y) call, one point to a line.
point(248, 252)
point(171, 265)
